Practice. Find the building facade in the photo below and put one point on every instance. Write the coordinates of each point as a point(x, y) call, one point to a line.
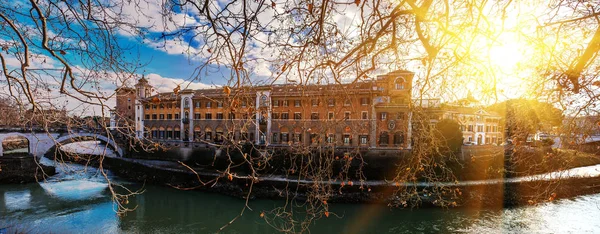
point(124, 112)
point(479, 127)
point(374, 113)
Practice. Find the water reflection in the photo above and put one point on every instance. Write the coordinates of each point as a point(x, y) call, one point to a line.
point(81, 205)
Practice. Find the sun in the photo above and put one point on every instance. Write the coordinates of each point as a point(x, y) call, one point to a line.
point(508, 60)
point(506, 57)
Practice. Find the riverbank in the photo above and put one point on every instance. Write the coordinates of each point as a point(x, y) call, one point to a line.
point(491, 191)
point(19, 168)
point(484, 193)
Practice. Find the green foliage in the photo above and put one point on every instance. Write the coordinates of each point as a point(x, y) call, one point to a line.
point(528, 116)
point(449, 134)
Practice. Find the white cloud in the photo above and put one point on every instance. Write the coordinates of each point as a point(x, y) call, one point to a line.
point(166, 84)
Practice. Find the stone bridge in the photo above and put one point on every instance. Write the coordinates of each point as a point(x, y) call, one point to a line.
point(41, 143)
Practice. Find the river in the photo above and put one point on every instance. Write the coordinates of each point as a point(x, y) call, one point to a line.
point(78, 201)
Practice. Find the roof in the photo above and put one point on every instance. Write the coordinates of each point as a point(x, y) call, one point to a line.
point(279, 90)
point(125, 89)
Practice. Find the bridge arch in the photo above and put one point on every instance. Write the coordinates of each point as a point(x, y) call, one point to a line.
point(76, 137)
point(39, 146)
point(14, 134)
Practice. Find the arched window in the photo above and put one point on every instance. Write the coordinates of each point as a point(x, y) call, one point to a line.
point(186, 103)
point(398, 138)
point(384, 138)
point(399, 83)
point(147, 92)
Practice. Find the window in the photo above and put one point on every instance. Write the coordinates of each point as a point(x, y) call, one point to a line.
point(398, 138)
point(231, 115)
point(197, 116)
point(186, 103)
point(297, 103)
point(487, 128)
point(147, 107)
point(330, 138)
point(170, 105)
point(285, 137)
point(161, 106)
point(364, 101)
point(346, 138)
point(244, 104)
point(297, 137)
point(275, 115)
point(364, 139)
point(400, 115)
point(275, 103)
point(208, 104)
point(208, 136)
point(198, 104)
point(177, 134)
point(219, 115)
point(154, 107)
point(129, 107)
point(330, 115)
point(176, 116)
point(347, 115)
point(479, 128)
point(219, 104)
point(331, 102)
point(297, 115)
point(147, 117)
point(383, 115)
point(285, 116)
point(169, 134)
point(347, 102)
point(364, 115)
point(286, 103)
point(400, 83)
point(275, 138)
point(162, 116)
point(314, 115)
point(384, 138)
point(169, 116)
point(208, 116)
point(315, 102)
point(470, 129)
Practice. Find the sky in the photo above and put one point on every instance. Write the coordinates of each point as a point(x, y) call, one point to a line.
point(174, 60)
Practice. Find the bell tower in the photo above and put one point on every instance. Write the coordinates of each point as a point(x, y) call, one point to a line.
point(143, 91)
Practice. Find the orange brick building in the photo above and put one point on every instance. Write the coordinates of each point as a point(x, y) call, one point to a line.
point(374, 113)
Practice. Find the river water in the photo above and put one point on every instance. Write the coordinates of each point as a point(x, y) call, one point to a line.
point(78, 201)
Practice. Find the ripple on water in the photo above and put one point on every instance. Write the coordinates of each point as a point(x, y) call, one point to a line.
point(75, 189)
